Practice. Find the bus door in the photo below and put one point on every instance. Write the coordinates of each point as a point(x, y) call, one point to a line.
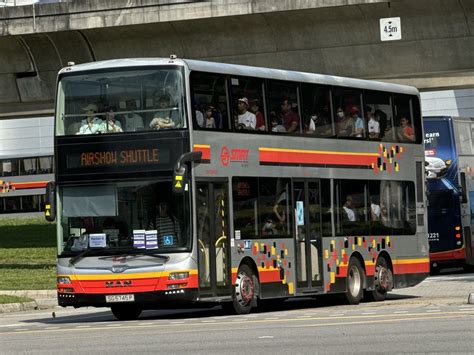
point(308, 234)
point(212, 235)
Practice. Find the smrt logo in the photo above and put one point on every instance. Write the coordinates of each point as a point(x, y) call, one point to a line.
point(225, 156)
point(235, 155)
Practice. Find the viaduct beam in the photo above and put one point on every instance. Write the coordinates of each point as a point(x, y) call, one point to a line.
point(339, 37)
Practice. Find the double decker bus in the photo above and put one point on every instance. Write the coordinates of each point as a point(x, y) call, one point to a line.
point(184, 182)
point(450, 187)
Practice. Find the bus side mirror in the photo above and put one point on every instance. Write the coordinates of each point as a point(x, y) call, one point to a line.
point(180, 178)
point(463, 188)
point(50, 202)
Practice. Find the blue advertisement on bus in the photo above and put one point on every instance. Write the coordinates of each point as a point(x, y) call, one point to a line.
point(440, 154)
point(442, 184)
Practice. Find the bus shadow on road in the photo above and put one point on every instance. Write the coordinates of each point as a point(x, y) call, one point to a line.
point(322, 302)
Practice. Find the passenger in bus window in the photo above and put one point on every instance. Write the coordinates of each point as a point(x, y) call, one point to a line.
point(91, 124)
point(319, 125)
point(163, 118)
point(199, 114)
point(245, 119)
point(275, 122)
point(166, 224)
point(133, 121)
point(269, 228)
point(373, 124)
point(210, 122)
point(375, 210)
point(111, 124)
point(349, 213)
point(406, 133)
point(359, 129)
point(290, 118)
point(255, 109)
point(382, 118)
point(345, 123)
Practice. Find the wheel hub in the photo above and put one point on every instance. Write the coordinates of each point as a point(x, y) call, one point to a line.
point(383, 279)
point(354, 281)
point(244, 289)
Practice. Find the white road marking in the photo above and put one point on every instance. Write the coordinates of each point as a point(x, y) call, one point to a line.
point(336, 315)
point(266, 337)
point(368, 313)
point(433, 310)
point(114, 325)
point(400, 312)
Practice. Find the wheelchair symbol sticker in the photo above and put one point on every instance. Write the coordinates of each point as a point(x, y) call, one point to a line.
point(168, 240)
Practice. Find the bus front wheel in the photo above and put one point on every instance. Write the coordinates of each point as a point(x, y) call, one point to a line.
point(355, 282)
point(244, 290)
point(126, 312)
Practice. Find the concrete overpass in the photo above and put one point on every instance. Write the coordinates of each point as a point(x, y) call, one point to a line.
point(338, 37)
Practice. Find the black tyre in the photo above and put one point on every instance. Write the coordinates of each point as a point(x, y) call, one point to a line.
point(355, 281)
point(126, 312)
point(383, 281)
point(244, 290)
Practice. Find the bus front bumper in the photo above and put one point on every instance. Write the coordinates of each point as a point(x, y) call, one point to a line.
point(151, 300)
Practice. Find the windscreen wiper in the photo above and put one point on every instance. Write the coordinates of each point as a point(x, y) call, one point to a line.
point(79, 256)
point(127, 255)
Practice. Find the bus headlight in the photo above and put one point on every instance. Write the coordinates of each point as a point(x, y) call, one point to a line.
point(178, 276)
point(63, 280)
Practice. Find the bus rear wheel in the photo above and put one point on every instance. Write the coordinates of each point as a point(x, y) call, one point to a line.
point(383, 281)
point(126, 312)
point(354, 282)
point(244, 290)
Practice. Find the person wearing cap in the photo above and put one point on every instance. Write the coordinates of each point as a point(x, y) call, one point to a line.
point(111, 124)
point(133, 122)
point(245, 119)
point(91, 124)
point(162, 119)
point(359, 130)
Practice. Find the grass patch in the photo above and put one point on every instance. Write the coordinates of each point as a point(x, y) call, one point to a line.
point(27, 254)
point(13, 299)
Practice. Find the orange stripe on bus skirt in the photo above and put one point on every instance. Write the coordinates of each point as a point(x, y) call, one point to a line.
point(407, 266)
point(275, 155)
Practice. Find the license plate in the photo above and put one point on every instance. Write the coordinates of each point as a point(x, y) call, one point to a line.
point(119, 298)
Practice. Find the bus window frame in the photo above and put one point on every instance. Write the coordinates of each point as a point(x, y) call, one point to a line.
point(193, 122)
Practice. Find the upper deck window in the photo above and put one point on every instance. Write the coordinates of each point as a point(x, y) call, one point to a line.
point(120, 101)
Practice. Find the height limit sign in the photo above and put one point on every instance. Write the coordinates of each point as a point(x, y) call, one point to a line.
point(390, 29)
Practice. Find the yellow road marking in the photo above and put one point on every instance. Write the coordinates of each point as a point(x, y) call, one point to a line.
point(366, 319)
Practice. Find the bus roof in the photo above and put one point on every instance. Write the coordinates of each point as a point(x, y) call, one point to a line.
point(244, 70)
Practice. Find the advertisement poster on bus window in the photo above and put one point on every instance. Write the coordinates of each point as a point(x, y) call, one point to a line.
point(440, 155)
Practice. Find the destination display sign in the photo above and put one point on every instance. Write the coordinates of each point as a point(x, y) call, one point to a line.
point(99, 159)
point(117, 157)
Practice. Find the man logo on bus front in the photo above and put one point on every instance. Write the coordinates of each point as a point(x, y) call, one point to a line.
point(225, 155)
